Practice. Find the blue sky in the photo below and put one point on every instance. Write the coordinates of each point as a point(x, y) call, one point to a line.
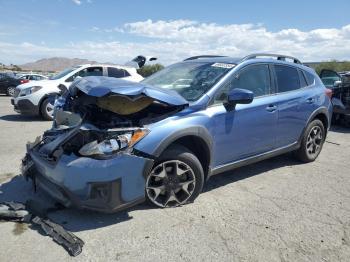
point(116, 30)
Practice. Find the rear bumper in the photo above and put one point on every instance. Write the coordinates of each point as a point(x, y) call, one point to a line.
point(85, 183)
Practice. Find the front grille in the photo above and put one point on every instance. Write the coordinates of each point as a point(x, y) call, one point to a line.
point(17, 91)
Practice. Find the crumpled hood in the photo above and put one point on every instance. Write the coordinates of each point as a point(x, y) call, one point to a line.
point(110, 102)
point(108, 86)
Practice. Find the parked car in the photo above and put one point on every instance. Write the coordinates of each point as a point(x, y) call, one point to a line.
point(8, 84)
point(31, 77)
point(37, 97)
point(115, 143)
point(339, 83)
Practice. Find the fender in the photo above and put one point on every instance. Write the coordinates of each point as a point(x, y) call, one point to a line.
point(198, 131)
point(156, 149)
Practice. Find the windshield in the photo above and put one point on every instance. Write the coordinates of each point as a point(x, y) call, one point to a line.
point(64, 72)
point(190, 80)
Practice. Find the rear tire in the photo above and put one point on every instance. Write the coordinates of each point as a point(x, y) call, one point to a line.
point(177, 178)
point(46, 108)
point(11, 91)
point(311, 142)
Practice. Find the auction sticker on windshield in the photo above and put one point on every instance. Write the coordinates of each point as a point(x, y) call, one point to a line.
point(223, 65)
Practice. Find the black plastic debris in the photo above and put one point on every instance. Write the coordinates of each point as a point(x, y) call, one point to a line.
point(35, 213)
point(14, 211)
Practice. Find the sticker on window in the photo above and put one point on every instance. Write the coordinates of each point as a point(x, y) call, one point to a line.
point(223, 65)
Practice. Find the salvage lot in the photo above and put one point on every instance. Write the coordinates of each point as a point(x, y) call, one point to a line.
point(276, 210)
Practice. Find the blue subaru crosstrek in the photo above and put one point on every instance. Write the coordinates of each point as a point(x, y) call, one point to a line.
point(115, 143)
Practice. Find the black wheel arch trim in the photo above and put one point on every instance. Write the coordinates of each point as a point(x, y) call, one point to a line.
point(322, 110)
point(197, 131)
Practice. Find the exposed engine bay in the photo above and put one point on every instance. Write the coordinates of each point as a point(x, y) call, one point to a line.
point(99, 116)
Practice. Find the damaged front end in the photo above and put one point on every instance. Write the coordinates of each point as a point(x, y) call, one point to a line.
point(87, 159)
point(341, 97)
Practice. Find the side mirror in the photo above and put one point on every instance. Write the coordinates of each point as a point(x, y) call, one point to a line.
point(238, 96)
point(337, 83)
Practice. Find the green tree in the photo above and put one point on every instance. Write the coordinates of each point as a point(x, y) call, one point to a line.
point(333, 65)
point(148, 70)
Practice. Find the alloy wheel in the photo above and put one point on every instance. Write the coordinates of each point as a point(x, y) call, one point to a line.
point(314, 141)
point(170, 184)
point(49, 108)
point(11, 91)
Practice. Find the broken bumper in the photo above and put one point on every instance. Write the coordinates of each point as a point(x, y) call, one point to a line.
point(86, 183)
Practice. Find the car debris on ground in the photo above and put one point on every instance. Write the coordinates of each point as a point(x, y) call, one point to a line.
point(35, 213)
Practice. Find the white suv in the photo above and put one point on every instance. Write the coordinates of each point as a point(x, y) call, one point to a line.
point(38, 97)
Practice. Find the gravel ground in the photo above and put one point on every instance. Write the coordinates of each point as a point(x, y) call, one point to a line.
point(276, 210)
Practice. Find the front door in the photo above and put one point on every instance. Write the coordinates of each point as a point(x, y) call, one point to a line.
point(250, 129)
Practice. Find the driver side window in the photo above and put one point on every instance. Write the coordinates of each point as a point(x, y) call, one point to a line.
point(255, 78)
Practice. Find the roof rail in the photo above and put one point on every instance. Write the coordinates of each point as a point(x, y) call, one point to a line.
point(202, 56)
point(279, 57)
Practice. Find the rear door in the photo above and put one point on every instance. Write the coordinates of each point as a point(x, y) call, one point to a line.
point(296, 98)
point(2, 81)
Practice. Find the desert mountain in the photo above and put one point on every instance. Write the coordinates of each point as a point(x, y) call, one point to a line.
point(55, 63)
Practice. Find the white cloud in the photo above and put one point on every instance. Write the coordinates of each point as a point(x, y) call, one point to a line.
point(78, 2)
point(240, 39)
point(174, 40)
point(94, 29)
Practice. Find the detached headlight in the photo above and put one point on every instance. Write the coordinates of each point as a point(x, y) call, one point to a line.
point(113, 145)
point(30, 90)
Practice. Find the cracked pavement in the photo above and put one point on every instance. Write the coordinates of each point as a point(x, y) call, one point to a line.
point(275, 210)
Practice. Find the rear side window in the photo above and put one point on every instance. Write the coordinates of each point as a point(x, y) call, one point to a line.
point(310, 78)
point(303, 82)
point(36, 77)
point(117, 72)
point(287, 78)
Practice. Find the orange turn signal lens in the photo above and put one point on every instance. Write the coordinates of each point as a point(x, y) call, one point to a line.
point(137, 136)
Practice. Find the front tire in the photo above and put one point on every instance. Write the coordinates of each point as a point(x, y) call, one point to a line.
point(11, 91)
point(176, 178)
point(312, 142)
point(46, 108)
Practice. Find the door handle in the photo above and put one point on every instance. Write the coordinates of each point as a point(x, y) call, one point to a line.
point(310, 100)
point(271, 108)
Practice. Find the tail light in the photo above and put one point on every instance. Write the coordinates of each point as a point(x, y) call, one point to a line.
point(329, 92)
point(23, 81)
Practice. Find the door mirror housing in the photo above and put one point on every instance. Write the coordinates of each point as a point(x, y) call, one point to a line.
point(238, 96)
